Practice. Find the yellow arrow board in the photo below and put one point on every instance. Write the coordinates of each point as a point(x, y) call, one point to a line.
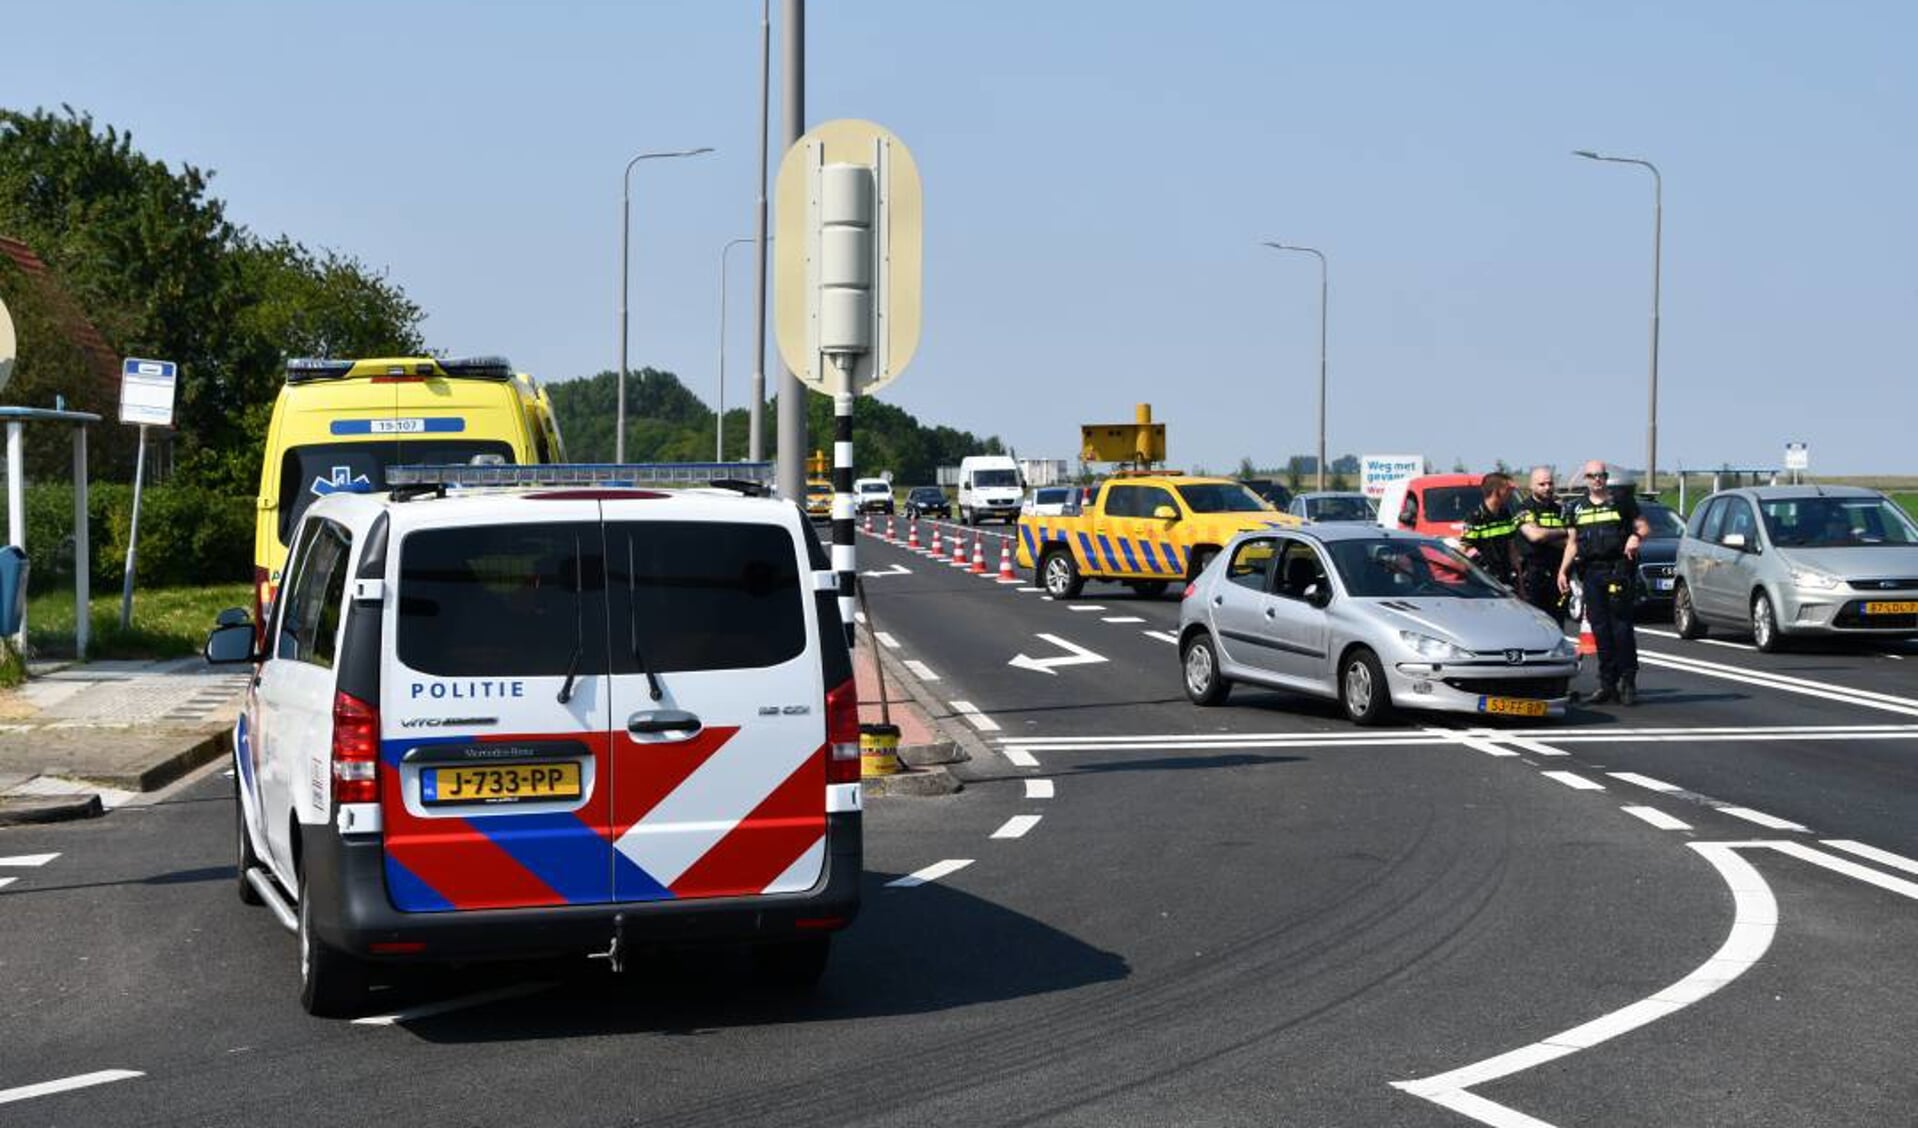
point(847, 257)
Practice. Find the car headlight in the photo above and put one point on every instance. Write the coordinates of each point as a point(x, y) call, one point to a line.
point(1806, 578)
point(1425, 646)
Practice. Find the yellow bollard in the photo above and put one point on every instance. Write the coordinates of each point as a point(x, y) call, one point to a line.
point(878, 751)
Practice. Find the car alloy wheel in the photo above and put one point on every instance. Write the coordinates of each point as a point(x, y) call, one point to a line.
point(1684, 615)
point(1203, 684)
point(1764, 623)
point(1061, 575)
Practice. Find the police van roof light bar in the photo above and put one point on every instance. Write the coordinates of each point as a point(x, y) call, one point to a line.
point(727, 474)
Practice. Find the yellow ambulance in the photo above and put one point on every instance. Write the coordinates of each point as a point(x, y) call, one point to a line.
point(338, 424)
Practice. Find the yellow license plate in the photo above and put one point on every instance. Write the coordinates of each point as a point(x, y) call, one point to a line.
point(499, 783)
point(1512, 706)
point(1898, 607)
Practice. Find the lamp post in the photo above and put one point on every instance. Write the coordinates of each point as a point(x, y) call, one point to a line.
point(1323, 292)
point(719, 428)
point(625, 225)
point(1658, 222)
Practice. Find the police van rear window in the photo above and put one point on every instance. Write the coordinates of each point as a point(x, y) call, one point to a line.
point(497, 600)
point(695, 595)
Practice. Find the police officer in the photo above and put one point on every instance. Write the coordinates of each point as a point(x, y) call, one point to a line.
point(1541, 543)
point(1603, 544)
point(1489, 536)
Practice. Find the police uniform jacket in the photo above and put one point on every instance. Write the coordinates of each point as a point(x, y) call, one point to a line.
point(1490, 534)
point(1544, 555)
point(1603, 527)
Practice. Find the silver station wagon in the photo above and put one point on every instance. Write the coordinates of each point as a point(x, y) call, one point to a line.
point(1789, 561)
point(1375, 618)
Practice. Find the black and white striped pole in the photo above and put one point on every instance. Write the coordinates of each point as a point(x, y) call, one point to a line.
point(846, 289)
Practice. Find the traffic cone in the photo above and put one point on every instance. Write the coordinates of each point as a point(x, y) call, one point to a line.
point(959, 549)
point(1587, 644)
point(1006, 575)
point(978, 557)
point(936, 549)
point(912, 535)
point(869, 522)
point(892, 534)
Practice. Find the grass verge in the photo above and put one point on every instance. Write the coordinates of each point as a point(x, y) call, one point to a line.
point(167, 622)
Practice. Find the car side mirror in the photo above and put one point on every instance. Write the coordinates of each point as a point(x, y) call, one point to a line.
point(1166, 513)
point(1317, 595)
point(230, 644)
point(1737, 541)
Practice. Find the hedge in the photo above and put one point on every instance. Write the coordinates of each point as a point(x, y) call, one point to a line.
point(187, 536)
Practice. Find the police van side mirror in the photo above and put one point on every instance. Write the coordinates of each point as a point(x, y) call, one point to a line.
point(230, 644)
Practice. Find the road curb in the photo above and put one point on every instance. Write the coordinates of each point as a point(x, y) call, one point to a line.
point(65, 808)
point(157, 775)
point(927, 773)
point(962, 744)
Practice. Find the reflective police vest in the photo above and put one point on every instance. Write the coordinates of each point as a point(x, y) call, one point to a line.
point(1546, 515)
point(1602, 529)
point(1489, 533)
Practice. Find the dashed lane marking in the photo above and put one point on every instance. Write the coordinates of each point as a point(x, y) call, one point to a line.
point(1121, 619)
point(972, 714)
point(1474, 741)
point(1771, 822)
point(448, 1006)
point(1039, 789)
point(1657, 818)
point(67, 1084)
point(28, 859)
point(1032, 590)
point(886, 640)
point(1016, 826)
point(1019, 758)
point(920, 670)
point(1882, 857)
point(933, 872)
point(1162, 636)
point(1574, 781)
point(1085, 607)
point(6, 881)
point(1646, 782)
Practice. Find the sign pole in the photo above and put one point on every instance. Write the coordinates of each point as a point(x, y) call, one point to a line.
point(133, 534)
point(845, 559)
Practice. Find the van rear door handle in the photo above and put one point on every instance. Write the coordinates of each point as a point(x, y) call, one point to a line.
point(661, 721)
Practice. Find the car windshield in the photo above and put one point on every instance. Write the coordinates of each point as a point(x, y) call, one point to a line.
point(1451, 503)
point(1220, 497)
point(1401, 568)
point(1665, 523)
point(994, 478)
point(1836, 522)
point(927, 494)
point(874, 487)
point(1338, 509)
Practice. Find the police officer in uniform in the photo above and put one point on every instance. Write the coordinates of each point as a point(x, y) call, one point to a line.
point(1541, 543)
point(1489, 537)
point(1603, 544)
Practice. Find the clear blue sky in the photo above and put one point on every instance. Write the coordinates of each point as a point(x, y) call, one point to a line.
point(1098, 176)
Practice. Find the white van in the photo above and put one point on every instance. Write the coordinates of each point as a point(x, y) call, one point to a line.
point(989, 489)
point(579, 719)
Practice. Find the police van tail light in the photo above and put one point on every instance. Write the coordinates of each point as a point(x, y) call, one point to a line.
point(356, 750)
point(842, 733)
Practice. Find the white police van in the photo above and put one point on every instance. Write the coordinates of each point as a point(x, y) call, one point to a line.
point(569, 717)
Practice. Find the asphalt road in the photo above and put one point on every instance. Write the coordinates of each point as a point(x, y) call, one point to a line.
point(1138, 912)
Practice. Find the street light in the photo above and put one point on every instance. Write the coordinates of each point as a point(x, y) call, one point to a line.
point(719, 428)
point(1322, 304)
point(1658, 221)
point(625, 214)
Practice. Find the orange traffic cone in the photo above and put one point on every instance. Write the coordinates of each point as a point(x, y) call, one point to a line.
point(912, 535)
point(978, 567)
point(1006, 575)
point(959, 549)
point(891, 533)
point(1587, 644)
point(869, 522)
point(936, 549)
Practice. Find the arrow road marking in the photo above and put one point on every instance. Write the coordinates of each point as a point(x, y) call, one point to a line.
point(895, 570)
point(1754, 922)
point(1075, 655)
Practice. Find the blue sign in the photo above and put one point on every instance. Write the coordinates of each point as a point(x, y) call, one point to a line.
point(413, 426)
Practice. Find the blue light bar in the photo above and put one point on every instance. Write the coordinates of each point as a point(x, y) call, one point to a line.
point(633, 474)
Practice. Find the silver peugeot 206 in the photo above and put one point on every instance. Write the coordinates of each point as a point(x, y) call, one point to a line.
point(1375, 618)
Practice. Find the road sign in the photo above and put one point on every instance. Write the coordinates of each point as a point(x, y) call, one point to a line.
point(1376, 471)
point(1797, 456)
point(846, 257)
point(9, 347)
point(146, 391)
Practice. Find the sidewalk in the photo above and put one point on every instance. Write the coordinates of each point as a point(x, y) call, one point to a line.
point(77, 739)
point(923, 748)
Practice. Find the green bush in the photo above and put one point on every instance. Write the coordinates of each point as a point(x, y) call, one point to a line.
point(187, 536)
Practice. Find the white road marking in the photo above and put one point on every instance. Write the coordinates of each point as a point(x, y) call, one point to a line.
point(1085, 607)
point(1646, 782)
point(1754, 921)
point(6, 881)
point(1120, 619)
point(1657, 818)
point(1574, 781)
point(1032, 590)
point(933, 872)
point(1019, 758)
point(1016, 826)
point(971, 713)
point(1837, 864)
point(28, 859)
point(886, 640)
point(920, 670)
point(1075, 655)
point(1163, 636)
point(1526, 744)
point(1476, 742)
point(1706, 641)
point(1882, 857)
point(1039, 789)
point(859, 617)
point(448, 1006)
point(1804, 686)
point(67, 1084)
point(1772, 822)
point(895, 570)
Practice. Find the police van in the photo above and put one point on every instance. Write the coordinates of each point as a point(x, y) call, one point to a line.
point(574, 716)
point(338, 424)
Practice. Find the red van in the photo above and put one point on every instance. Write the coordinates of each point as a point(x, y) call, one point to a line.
point(1434, 504)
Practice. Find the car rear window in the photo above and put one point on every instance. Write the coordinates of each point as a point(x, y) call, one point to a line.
point(697, 595)
point(313, 471)
point(1451, 503)
point(497, 600)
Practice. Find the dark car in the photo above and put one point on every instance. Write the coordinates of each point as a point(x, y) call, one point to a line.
point(928, 501)
point(1658, 558)
point(1271, 491)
